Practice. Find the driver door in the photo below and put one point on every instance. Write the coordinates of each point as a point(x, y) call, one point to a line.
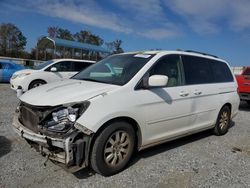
point(166, 110)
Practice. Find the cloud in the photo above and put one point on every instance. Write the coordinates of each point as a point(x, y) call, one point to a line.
point(201, 16)
point(160, 33)
point(148, 19)
point(87, 13)
point(150, 9)
point(206, 17)
point(142, 18)
point(154, 19)
point(240, 19)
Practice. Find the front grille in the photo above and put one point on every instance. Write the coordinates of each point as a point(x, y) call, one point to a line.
point(29, 118)
point(33, 116)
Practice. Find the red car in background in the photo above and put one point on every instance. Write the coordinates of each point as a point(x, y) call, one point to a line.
point(244, 84)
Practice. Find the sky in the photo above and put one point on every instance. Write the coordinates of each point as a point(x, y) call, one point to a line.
point(218, 27)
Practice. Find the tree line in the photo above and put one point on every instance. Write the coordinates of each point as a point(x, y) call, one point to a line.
point(13, 41)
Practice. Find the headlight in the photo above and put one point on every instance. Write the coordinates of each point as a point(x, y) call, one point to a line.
point(63, 119)
point(14, 76)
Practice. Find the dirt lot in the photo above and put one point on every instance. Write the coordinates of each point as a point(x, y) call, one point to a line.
point(201, 160)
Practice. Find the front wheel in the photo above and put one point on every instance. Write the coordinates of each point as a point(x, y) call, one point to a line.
point(36, 83)
point(113, 148)
point(223, 121)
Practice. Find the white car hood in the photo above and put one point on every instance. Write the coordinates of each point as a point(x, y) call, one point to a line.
point(25, 71)
point(63, 92)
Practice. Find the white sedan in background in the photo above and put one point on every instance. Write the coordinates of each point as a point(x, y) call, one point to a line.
point(47, 72)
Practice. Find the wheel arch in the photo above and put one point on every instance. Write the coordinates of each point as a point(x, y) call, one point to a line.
point(35, 81)
point(229, 105)
point(127, 119)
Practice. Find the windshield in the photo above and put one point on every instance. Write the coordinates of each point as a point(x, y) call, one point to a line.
point(42, 65)
point(117, 69)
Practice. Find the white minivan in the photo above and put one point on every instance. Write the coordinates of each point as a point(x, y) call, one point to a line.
point(47, 72)
point(127, 102)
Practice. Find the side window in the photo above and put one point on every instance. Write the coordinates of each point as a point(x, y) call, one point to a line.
point(78, 66)
point(197, 70)
point(221, 72)
point(63, 66)
point(169, 66)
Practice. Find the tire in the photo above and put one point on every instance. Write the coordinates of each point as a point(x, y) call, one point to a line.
point(223, 121)
point(36, 83)
point(113, 148)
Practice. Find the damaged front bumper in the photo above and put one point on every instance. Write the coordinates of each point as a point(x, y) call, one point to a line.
point(72, 151)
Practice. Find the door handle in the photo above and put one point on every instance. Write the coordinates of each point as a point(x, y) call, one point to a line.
point(184, 94)
point(197, 92)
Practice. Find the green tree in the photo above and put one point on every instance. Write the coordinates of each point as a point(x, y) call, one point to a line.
point(115, 46)
point(87, 37)
point(57, 32)
point(65, 34)
point(12, 40)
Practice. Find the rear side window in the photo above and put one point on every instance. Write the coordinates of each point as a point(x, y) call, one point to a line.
point(78, 66)
point(202, 71)
point(197, 70)
point(221, 72)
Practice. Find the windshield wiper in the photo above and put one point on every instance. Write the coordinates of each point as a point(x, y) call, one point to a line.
point(92, 80)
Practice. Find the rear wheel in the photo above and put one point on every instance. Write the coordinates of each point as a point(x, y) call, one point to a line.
point(223, 121)
point(36, 83)
point(113, 148)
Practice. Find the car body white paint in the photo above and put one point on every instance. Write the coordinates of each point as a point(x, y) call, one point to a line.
point(161, 113)
point(41, 74)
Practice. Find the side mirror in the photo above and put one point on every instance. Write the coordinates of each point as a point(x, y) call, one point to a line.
point(53, 69)
point(157, 81)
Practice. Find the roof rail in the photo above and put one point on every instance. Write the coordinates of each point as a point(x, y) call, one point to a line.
point(201, 53)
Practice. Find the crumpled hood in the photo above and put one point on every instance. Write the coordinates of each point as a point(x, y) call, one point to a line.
point(63, 92)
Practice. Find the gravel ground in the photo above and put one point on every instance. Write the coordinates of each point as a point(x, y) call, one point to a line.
point(201, 160)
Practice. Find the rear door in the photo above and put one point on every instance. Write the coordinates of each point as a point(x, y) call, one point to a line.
point(199, 77)
point(1, 72)
point(6, 72)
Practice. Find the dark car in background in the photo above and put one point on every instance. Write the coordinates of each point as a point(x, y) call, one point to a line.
point(7, 69)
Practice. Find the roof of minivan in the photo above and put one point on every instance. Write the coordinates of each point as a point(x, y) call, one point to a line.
point(176, 52)
point(68, 59)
